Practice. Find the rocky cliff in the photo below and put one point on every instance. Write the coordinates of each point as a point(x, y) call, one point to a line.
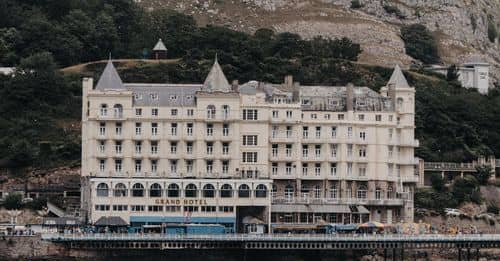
point(460, 25)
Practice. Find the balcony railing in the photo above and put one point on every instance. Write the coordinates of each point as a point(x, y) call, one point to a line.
point(345, 201)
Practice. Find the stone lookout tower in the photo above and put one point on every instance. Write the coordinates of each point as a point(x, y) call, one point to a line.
point(159, 51)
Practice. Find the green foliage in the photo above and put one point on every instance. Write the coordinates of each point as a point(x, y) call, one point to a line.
point(356, 4)
point(420, 43)
point(37, 204)
point(466, 189)
point(391, 9)
point(437, 182)
point(452, 73)
point(492, 29)
point(430, 199)
point(473, 22)
point(13, 201)
point(483, 174)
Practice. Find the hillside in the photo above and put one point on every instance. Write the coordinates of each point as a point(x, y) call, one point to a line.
point(461, 26)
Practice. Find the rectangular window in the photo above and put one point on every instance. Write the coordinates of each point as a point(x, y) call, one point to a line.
point(274, 168)
point(225, 167)
point(118, 166)
point(102, 165)
point(154, 112)
point(173, 129)
point(173, 112)
point(225, 148)
point(189, 166)
point(138, 166)
point(210, 148)
point(318, 132)
point(154, 147)
point(378, 117)
point(317, 150)
point(349, 132)
point(225, 130)
point(102, 128)
point(275, 114)
point(361, 117)
point(250, 140)
point(349, 168)
point(289, 114)
point(274, 150)
point(317, 169)
point(154, 128)
point(288, 150)
point(349, 150)
point(155, 208)
point(362, 135)
point(305, 132)
point(173, 147)
point(154, 166)
point(138, 112)
point(362, 171)
point(190, 112)
point(137, 208)
point(362, 152)
point(390, 151)
point(189, 129)
point(118, 128)
point(189, 147)
point(333, 169)
point(340, 117)
point(118, 147)
point(249, 157)
point(288, 168)
point(288, 131)
point(304, 169)
point(390, 117)
point(334, 132)
point(210, 129)
point(120, 207)
point(333, 150)
point(138, 128)
point(314, 116)
point(250, 115)
point(102, 146)
point(305, 151)
point(210, 166)
point(391, 132)
point(138, 147)
point(173, 166)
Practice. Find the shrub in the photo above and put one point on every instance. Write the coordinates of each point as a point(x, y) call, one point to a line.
point(492, 30)
point(356, 4)
point(483, 174)
point(420, 43)
point(492, 208)
point(13, 201)
point(391, 9)
point(437, 182)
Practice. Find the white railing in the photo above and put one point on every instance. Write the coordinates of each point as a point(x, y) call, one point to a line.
point(348, 201)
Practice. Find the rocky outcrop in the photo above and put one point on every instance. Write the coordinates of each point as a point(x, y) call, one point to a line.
point(460, 25)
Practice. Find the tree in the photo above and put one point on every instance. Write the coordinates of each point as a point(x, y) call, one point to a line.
point(13, 201)
point(420, 43)
point(492, 29)
point(483, 174)
point(466, 189)
point(356, 4)
point(437, 182)
point(452, 73)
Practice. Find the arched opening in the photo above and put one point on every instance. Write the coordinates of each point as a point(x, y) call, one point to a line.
point(191, 191)
point(244, 191)
point(118, 110)
point(226, 191)
point(261, 191)
point(138, 190)
point(155, 190)
point(210, 111)
point(120, 190)
point(173, 191)
point(102, 190)
point(208, 191)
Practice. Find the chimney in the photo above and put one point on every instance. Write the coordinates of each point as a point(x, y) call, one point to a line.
point(234, 85)
point(350, 97)
point(391, 93)
point(288, 81)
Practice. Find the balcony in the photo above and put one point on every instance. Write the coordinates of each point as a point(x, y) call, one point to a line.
point(344, 201)
point(281, 139)
point(408, 161)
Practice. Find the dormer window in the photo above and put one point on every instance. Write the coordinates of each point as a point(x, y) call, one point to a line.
point(306, 102)
point(154, 96)
point(173, 97)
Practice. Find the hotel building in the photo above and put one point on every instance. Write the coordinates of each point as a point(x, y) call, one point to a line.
point(218, 153)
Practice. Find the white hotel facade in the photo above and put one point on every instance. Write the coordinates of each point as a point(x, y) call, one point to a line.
point(216, 153)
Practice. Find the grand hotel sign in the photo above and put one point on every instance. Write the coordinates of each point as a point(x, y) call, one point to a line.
point(181, 202)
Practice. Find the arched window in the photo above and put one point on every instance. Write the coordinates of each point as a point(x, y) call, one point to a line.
point(191, 191)
point(138, 190)
point(289, 192)
point(225, 111)
point(361, 192)
point(399, 104)
point(155, 190)
point(244, 191)
point(120, 190)
point(210, 111)
point(208, 191)
point(226, 191)
point(173, 191)
point(118, 110)
point(390, 192)
point(261, 191)
point(104, 109)
point(102, 190)
point(317, 191)
point(378, 193)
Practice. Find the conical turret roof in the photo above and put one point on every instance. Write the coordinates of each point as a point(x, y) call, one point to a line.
point(216, 80)
point(398, 79)
point(109, 78)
